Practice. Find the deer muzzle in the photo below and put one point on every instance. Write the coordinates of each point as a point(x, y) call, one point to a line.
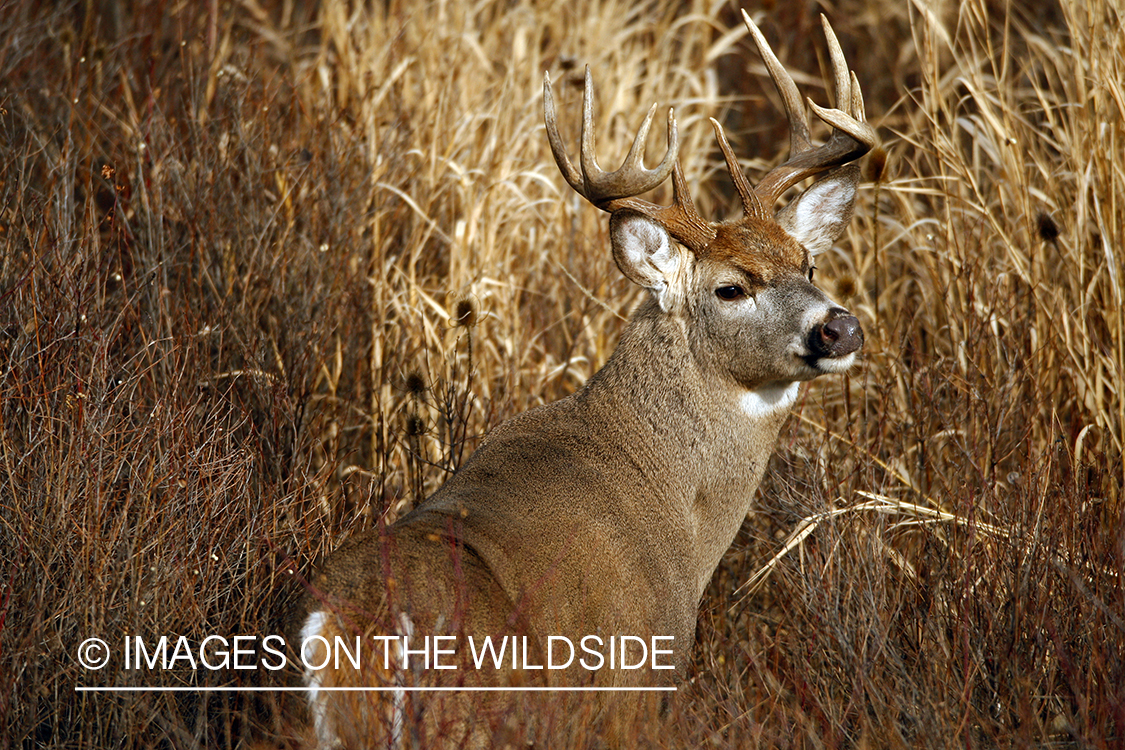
point(838, 337)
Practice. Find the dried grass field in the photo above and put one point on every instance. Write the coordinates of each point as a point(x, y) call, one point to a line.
point(269, 270)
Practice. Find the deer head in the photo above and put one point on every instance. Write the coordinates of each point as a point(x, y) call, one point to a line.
point(744, 285)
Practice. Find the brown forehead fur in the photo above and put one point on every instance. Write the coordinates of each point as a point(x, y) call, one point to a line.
point(759, 247)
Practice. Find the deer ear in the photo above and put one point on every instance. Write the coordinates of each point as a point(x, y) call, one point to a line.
point(645, 254)
point(818, 216)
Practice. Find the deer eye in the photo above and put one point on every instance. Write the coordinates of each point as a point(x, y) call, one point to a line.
point(811, 269)
point(730, 293)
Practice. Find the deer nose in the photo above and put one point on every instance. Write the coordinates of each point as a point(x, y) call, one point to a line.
point(838, 337)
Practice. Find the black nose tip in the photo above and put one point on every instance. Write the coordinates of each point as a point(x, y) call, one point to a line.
point(838, 337)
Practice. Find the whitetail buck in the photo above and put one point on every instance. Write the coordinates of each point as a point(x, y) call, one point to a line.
point(605, 514)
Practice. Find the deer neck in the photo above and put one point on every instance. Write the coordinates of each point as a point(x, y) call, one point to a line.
point(701, 444)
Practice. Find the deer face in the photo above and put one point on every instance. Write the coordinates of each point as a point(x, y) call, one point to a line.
point(749, 308)
point(757, 316)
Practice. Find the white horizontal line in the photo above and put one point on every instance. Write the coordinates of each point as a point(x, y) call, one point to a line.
point(407, 689)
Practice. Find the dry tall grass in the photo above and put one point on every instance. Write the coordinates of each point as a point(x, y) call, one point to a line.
point(269, 271)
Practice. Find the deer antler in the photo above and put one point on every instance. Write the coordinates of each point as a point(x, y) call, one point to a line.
point(593, 183)
point(851, 136)
point(617, 190)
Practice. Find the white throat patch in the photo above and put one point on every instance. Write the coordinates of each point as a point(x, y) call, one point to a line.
point(769, 400)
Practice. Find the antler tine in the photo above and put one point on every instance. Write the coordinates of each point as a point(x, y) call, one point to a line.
point(843, 76)
point(592, 174)
point(750, 203)
point(858, 111)
point(851, 136)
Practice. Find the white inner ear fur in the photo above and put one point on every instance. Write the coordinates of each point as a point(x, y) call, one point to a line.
point(646, 254)
point(819, 215)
